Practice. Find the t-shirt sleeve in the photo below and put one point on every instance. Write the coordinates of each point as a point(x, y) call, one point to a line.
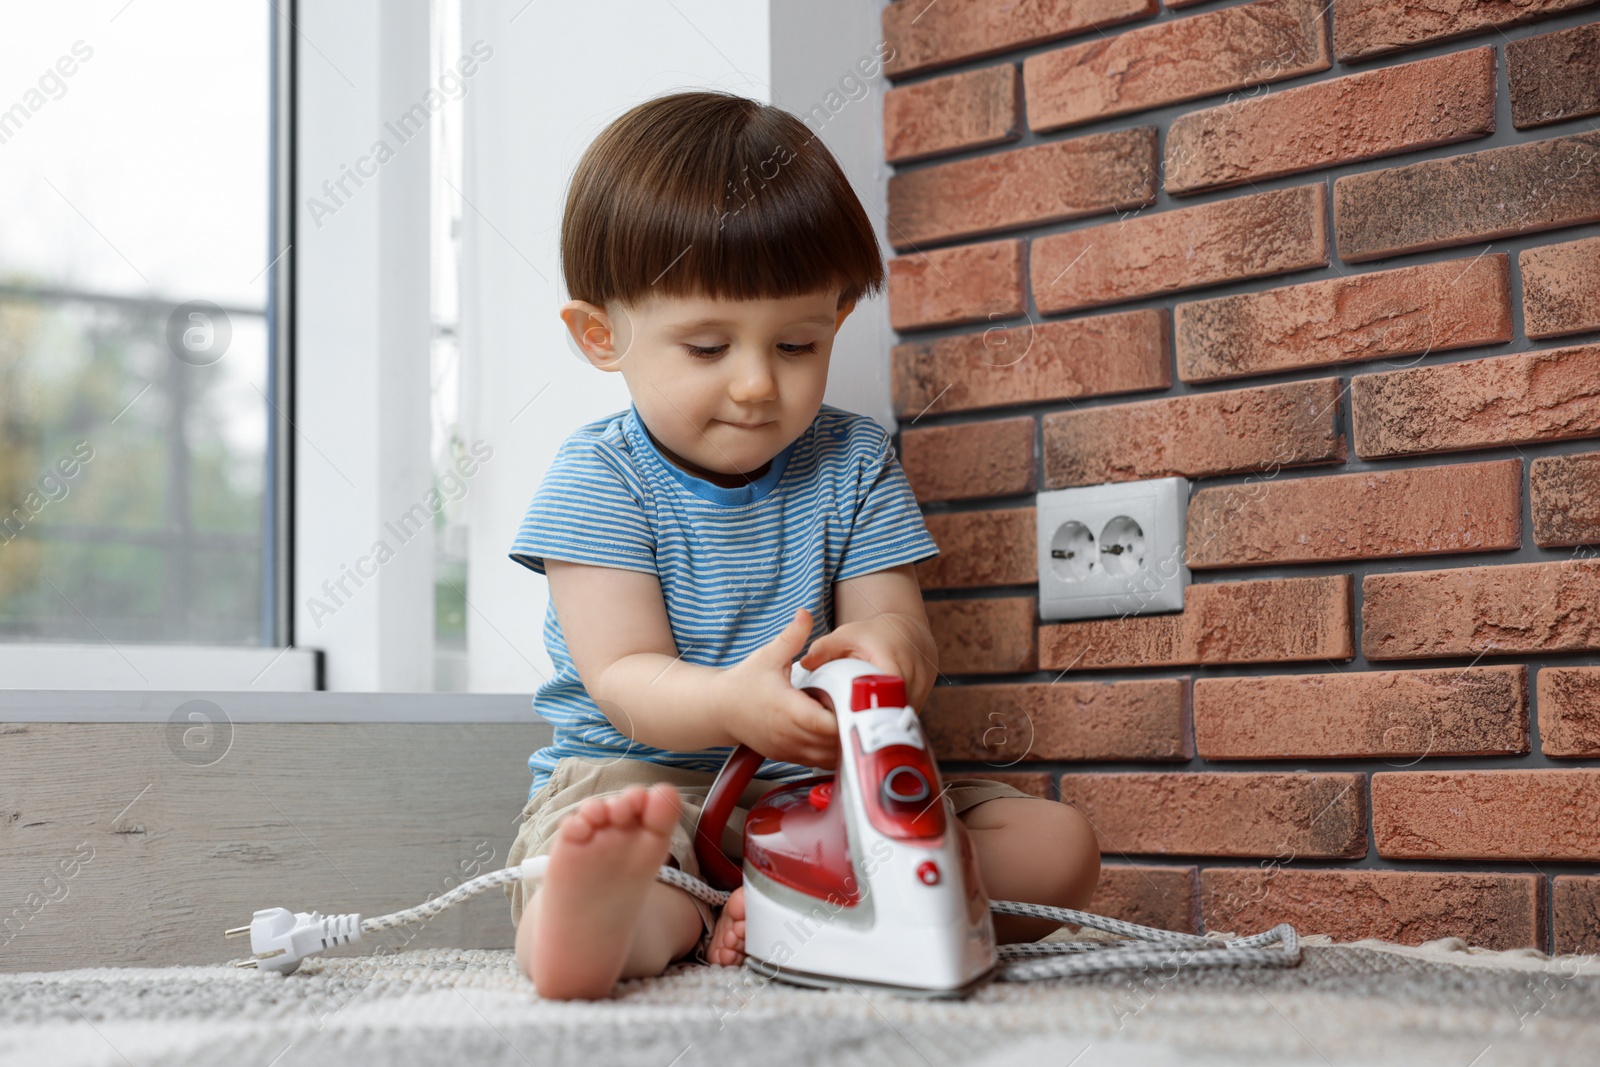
point(888, 529)
point(587, 510)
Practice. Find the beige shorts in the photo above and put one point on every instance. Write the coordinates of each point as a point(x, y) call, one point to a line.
point(575, 779)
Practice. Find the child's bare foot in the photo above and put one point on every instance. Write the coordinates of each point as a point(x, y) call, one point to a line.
point(603, 861)
point(727, 938)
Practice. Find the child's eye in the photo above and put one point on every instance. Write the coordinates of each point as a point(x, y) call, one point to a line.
point(704, 352)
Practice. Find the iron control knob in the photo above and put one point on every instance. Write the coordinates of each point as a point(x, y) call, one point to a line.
point(905, 785)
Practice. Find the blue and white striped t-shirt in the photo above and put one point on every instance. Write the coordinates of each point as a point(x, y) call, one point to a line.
point(733, 563)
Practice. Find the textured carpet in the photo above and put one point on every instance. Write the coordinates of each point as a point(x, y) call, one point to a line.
point(1360, 1003)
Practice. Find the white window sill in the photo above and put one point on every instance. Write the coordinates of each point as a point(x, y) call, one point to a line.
point(30, 665)
point(180, 706)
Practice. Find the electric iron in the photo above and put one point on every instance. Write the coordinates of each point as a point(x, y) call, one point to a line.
point(863, 876)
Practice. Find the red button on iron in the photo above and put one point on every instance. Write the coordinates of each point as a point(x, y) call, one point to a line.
point(820, 794)
point(928, 872)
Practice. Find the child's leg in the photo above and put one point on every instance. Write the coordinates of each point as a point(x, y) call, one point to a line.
point(1036, 851)
point(599, 914)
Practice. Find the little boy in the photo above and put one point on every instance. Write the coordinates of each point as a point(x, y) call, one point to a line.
point(699, 541)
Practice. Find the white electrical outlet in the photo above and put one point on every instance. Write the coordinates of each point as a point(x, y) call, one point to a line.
point(1113, 549)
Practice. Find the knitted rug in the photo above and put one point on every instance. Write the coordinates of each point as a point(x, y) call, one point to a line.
point(1366, 1002)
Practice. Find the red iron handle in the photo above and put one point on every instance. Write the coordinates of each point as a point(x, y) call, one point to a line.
point(736, 774)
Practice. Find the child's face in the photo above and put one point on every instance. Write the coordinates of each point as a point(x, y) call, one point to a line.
point(722, 384)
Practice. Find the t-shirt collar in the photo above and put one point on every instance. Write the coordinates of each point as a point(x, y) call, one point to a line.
point(633, 426)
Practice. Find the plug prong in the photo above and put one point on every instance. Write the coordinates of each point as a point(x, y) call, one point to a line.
point(237, 931)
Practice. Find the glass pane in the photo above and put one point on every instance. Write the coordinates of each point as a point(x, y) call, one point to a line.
point(134, 370)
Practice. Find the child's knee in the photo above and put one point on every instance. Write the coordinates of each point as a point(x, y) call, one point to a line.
point(1079, 855)
point(1068, 869)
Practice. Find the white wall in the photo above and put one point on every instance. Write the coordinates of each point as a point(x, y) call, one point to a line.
point(559, 74)
point(819, 52)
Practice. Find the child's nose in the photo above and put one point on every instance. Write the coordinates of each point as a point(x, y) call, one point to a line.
point(753, 381)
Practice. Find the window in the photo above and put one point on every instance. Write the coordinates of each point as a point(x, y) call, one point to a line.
point(142, 354)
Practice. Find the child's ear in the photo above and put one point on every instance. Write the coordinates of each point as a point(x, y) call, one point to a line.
point(592, 334)
point(843, 313)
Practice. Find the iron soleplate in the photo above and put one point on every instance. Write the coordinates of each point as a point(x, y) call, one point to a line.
point(827, 981)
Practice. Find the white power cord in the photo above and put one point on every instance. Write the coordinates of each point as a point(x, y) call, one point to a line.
point(280, 939)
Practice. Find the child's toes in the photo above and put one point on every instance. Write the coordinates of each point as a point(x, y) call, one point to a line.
point(580, 824)
point(624, 808)
point(659, 810)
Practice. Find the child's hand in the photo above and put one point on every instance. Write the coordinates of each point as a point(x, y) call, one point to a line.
point(886, 642)
point(878, 640)
point(770, 715)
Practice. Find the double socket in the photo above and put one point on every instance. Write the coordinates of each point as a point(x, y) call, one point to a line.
point(1113, 549)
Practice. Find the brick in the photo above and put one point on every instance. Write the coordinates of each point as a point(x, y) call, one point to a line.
point(1365, 28)
point(1162, 897)
point(1361, 116)
point(1575, 900)
point(993, 458)
point(1223, 814)
point(1271, 620)
point(969, 283)
point(1569, 711)
point(1555, 76)
point(1267, 427)
point(1466, 507)
point(1487, 815)
point(1023, 187)
point(1464, 199)
point(1037, 783)
point(988, 636)
point(979, 548)
point(1561, 288)
point(1493, 911)
point(1147, 719)
point(1432, 307)
point(1453, 712)
point(1179, 59)
point(924, 36)
point(1481, 403)
point(1098, 355)
point(1513, 607)
point(1164, 251)
point(1566, 500)
point(957, 113)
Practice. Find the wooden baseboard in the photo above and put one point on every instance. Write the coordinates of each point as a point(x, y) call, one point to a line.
point(121, 844)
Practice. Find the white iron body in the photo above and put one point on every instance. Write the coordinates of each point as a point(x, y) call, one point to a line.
point(921, 923)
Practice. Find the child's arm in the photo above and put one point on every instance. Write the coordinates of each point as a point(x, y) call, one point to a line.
point(879, 617)
point(617, 632)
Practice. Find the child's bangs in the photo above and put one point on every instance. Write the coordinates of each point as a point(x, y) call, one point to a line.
point(766, 239)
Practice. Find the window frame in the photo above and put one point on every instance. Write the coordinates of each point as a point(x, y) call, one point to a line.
point(277, 662)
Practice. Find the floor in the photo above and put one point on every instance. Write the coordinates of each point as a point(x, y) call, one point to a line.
point(1361, 1003)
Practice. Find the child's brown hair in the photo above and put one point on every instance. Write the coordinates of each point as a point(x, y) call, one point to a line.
point(710, 194)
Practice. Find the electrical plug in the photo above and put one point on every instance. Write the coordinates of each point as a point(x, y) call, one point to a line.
point(280, 939)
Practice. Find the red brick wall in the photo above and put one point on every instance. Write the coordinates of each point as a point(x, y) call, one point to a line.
point(1338, 264)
